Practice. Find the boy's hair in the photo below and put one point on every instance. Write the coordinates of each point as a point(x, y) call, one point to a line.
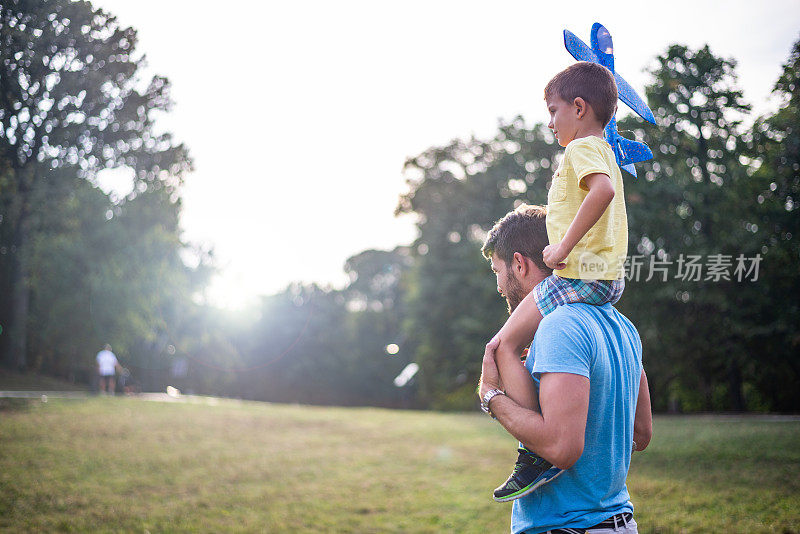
point(590, 81)
point(522, 230)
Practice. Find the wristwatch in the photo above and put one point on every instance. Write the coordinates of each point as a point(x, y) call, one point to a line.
point(492, 393)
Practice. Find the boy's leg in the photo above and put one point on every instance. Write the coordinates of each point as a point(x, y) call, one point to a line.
point(518, 331)
point(516, 334)
point(531, 470)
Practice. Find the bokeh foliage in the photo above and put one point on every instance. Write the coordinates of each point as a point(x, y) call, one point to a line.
point(715, 187)
point(79, 267)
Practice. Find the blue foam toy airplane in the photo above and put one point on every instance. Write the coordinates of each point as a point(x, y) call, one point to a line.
point(602, 51)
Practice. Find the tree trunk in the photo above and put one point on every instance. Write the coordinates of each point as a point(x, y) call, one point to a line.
point(17, 346)
point(707, 386)
point(16, 358)
point(735, 386)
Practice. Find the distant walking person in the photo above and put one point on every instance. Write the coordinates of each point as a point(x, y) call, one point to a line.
point(107, 366)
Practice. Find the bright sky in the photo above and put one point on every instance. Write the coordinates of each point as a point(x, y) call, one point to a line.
point(299, 115)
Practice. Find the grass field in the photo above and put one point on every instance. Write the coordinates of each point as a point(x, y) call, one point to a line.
point(32, 382)
point(122, 464)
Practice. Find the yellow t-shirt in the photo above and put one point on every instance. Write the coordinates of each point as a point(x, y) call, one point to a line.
point(600, 254)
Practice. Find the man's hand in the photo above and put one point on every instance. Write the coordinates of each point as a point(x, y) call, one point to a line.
point(490, 377)
point(554, 256)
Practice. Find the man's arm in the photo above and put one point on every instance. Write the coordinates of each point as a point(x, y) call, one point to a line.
point(510, 341)
point(557, 433)
point(643, 420)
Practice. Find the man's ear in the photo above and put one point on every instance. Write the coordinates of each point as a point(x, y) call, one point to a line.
point(580, 107)
point(520, 264)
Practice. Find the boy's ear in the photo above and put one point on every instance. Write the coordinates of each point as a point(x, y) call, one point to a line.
point(580, 107)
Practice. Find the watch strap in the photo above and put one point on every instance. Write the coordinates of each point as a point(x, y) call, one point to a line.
point(492, 393)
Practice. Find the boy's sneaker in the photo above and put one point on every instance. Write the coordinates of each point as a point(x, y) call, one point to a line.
point(530, 472)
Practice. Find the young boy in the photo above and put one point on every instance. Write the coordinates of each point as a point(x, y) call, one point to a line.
point(588, 232)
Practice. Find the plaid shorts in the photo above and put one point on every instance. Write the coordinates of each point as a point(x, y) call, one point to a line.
point(555, 291)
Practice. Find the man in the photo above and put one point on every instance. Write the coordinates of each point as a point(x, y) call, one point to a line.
point(593, 400)
point(107, 365)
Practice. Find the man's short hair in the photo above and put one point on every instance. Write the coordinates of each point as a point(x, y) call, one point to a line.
point(523, 230)
point(590, 81)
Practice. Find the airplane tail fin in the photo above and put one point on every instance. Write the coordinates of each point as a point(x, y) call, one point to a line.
point(630, 168)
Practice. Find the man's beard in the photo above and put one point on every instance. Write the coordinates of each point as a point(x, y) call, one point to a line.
point(514, 292)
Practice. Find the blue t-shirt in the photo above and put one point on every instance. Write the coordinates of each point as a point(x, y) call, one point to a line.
point(599, 343)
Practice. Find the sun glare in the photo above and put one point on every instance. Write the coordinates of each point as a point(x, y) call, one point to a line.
point(230, 292)
point(116, 182)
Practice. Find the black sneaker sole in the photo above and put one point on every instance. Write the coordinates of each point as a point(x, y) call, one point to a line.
point(529, 489)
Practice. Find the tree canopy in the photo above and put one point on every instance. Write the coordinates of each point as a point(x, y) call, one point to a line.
point(79, 268)
point(712, 273)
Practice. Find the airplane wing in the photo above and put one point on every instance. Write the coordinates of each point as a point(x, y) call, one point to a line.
point(626, 151)
point(582, 52)
point(578, 48)
point(629, 96)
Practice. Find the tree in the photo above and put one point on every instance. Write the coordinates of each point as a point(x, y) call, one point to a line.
point(715, 342)
point(772, 193)
point(70, 98)
point(696, 332)
point(458, 192)
point(102, 272)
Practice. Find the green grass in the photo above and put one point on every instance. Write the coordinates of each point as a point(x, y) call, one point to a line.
point(10, 381)
point(121, 464)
